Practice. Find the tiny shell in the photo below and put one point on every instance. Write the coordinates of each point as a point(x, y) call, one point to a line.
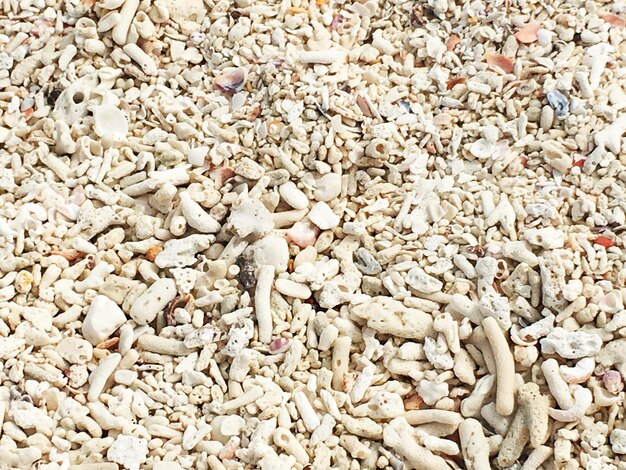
point(500, 61)
point(527, 34)
point(224, 174)
point(230, 80)
point(336, 23)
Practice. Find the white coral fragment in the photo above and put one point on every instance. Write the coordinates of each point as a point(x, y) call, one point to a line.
point(571, 344)
point(583, 398)
point(388, 316)
point(250, 217)
point(182, 252)
point(128, 451)
point(421, 281)
point(196, 216)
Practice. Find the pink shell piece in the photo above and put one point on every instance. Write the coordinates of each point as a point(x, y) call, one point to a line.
point(527, 34)
point(501, 61)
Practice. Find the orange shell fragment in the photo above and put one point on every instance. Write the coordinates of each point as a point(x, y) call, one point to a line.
point(455, 81)
point(501, 61)
point(527, 34)
point(452, 42)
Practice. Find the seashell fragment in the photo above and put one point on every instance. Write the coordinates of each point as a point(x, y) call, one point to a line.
point(614, 20)
point(364, 106)
point(580, 373)
point(279, 345)
point(611, 303)
point(571, 344)
point(527, 34)
point(604, 241)
point(230, 80)
point(558, 101)
point(500, 61)
point(482, 149)
point(452, 42)
point(109, 120)
point(451, 83)
point(421, 281)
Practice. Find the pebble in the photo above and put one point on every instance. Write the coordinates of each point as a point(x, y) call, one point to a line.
point(366, 263)
point(103, 317)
